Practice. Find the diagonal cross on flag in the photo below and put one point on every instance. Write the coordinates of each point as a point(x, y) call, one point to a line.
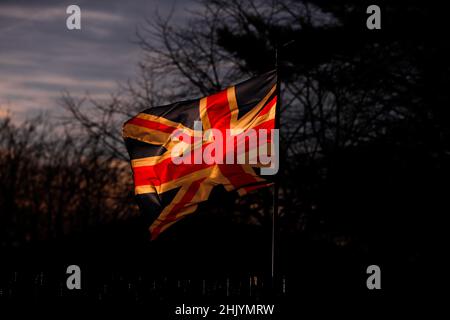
point(168, 189)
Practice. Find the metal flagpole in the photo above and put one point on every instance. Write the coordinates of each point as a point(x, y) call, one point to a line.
point(276, 179)
point(275, 185)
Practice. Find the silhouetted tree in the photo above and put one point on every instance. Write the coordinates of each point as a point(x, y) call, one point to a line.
point(53, 182)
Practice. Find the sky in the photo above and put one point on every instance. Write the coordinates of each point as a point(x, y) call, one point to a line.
point(40, 58)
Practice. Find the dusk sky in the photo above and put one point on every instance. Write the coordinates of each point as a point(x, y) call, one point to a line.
point(40, 58)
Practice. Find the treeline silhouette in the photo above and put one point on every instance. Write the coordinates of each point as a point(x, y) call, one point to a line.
point(54, 182)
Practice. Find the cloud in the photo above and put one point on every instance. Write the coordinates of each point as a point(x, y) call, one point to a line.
point(3, 113)
point(40, 58)
point(22, 93)
point(40, 13)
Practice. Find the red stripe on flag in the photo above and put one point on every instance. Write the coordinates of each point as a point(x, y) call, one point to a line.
point(258, 186)
point(236, 175)
point(151, 125)
point(187, 197)
point(267, 107)
point(218, 110)
point(164, 172)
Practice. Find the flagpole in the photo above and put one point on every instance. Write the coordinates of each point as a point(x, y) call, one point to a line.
point(275, 184)
point(275, 211)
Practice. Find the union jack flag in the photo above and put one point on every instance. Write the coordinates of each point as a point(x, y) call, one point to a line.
point(168, 191)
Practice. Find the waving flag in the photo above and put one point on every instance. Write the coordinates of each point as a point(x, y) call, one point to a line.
point(169, 149)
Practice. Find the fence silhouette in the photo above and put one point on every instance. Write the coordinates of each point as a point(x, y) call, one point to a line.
point(139, 287)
